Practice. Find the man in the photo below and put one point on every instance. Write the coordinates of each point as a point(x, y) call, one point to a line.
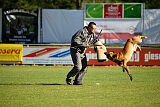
point(80, 41)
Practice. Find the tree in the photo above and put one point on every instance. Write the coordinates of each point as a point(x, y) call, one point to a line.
point(33, 5)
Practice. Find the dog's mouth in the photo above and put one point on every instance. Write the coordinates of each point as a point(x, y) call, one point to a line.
point(113, 58)
point(108, 56)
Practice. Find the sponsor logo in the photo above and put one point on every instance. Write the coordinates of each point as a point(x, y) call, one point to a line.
point(40, 52)
point(91, 55)
point(151, 56)
point(61, 54)
point(53, 53)
point(135, 57)
point(10, 51)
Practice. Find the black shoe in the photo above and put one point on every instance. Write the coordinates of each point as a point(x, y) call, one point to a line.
point(76, 83)
point(68, 81)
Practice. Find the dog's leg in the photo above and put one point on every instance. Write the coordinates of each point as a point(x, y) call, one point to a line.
point(130, 75)
point(139, 47)
point(123, 67)
point(126, 68)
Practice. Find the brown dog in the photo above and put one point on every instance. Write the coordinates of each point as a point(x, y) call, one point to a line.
point(125, 55)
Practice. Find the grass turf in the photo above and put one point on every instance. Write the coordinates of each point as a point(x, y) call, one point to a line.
point(103, 86)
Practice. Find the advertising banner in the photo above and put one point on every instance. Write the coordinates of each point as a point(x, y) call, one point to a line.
point(133, 10)
point(113, 11)
point(94, 11)
point(117, 31)
point(19, 26)
point(11, 52)
point(118, 21)
point(31, 55)
point(147, 56)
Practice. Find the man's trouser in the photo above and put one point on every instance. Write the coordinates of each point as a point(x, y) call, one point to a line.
point(80, 66)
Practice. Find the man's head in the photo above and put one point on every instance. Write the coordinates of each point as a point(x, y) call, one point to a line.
point(91, 27)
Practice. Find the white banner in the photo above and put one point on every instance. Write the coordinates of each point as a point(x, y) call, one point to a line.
point(59, 25)
point(117, 30)
point(130, 26)
point(32, 55)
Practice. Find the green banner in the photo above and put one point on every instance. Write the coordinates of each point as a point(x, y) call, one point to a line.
point(94, 11)
point(132, 10)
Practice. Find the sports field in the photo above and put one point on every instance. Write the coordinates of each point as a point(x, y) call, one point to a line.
point(104, 86)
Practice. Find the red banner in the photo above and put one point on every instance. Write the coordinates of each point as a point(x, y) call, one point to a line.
point(113, 11)
point(147, 56)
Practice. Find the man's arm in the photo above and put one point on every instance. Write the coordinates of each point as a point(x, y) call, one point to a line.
point(79, 39)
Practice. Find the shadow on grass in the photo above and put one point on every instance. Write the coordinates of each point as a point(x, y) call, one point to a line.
point(31, 84)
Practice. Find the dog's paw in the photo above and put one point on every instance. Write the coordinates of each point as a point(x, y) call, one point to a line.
point(130, 77)
point(123, 70)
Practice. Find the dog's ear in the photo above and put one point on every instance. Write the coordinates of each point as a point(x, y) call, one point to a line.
point(131, 39)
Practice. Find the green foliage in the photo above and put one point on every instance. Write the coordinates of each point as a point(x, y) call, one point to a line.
point(33, 5)
point(104, 86)
point(26, 5)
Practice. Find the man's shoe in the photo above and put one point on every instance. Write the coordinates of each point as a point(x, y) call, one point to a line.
point(76, 83)
point(68, 81)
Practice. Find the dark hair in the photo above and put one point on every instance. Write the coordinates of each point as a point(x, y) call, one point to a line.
point(91, 24)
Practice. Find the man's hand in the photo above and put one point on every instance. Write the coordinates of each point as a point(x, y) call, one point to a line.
point(87, 45)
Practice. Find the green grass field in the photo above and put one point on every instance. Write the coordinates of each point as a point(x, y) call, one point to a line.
point(103, 86)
